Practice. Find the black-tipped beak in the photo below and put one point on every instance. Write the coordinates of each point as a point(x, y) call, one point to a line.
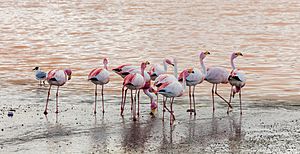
point(69, 77)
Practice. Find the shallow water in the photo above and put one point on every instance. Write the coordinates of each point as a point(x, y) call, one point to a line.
point(78, 35)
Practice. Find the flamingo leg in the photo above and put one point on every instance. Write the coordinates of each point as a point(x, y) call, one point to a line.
point(44, 82)
point(45, 112)
point(102, 99)
point(213, 97)
point(230, 98)
point(172, 117)
point(138, 112)
point(95, 107)
point(240, 95)
point(193, 94)
point(57, 99)
point(122, 100)
point(134, 106)
point(164, 110)
point(216, 92)
point(40, 83)
point(190, 98)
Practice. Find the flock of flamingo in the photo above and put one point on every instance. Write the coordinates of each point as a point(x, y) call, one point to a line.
point(169, 86)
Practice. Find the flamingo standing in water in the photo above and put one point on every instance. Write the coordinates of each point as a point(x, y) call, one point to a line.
point(57, 78)
point(40, 75)
point(194, 78)
point(172, 90)
point(135, 82)
point(157, 70)
point(99, 76)
point(236, 79)
point(217, 75)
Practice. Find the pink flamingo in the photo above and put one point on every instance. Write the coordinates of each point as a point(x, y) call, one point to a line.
point(99, 76)
point(157, 70)
point(135, 82)
point(57, 78)
point(236, 79)
point(120, 70)
point(172, 90)
point(216, 75)
point(194, 78)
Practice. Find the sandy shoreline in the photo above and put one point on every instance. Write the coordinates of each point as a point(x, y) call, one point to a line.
point(261, 128)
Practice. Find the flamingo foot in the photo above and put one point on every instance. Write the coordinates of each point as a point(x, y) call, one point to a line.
point(134, 119)
point(95, 112)
point(103, 111)
point(56, 111)
point(45, 112)
point(190, 110)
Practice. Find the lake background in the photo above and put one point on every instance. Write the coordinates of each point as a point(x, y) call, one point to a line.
point(79, 34)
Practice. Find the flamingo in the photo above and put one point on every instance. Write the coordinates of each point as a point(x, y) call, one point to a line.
point(123, 68)
point(153, 101)
point(172, 90)
point(163, 78)
point(99, 76)
point(57, 78)
point(216, 75)
point(135, 82)
point(236, 79)
point(40, 75)
point(194, 78)
point(157, 70)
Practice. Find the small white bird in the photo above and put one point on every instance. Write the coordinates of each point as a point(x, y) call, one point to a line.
point(99, 76)
point(40, 75)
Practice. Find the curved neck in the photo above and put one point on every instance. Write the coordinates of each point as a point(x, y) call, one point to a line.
point(142, 71)
point(175, 69)
point(232, 63)
point(105, 66)
point(165, 66)
point(146, 91)
point(203, 66)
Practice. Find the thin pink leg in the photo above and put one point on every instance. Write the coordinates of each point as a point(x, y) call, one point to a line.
point(240, 94)
point(45, 112)
point(213, 97)
point(190, 98)
point(95, 107)
point(138, 113)
point(164, 106)
point(193, 94)
point(230, 98)
point(216, 92)
point(122, 100)
point(134, 106)
point(102, 99)
point(57, 99)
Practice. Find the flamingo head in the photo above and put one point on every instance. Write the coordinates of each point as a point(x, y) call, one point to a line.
point(168, 61)
point(36, 68)
point(202, 55)
point(144, 65)
point(69, 73)
point(236, 54)
point(153, 106)
point(105, 62)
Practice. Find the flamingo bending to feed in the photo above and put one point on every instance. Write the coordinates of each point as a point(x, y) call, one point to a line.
point(40, 75)
point(157, 70)
point(57, 78)
point(172, 90)
point(217, 75)
point(194, 78)
point(236, 79)
point(135, 82)
point(99, 76)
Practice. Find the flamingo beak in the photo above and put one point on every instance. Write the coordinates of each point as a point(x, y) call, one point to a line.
point(207, 53)
point(239, 53)
point(190, 70)
point(147, 63)
point(69, 77)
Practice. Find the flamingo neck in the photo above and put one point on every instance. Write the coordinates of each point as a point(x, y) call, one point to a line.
point(142, 71)
point(105, 66)
point(175, 70)
point(165, 66)
point(146, 91)
point(232, 63)
point(203, 66)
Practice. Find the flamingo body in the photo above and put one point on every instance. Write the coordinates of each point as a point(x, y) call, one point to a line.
point(217, 75)
point(99, 76)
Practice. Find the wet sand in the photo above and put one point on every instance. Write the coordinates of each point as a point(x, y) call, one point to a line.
point(266, 127)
